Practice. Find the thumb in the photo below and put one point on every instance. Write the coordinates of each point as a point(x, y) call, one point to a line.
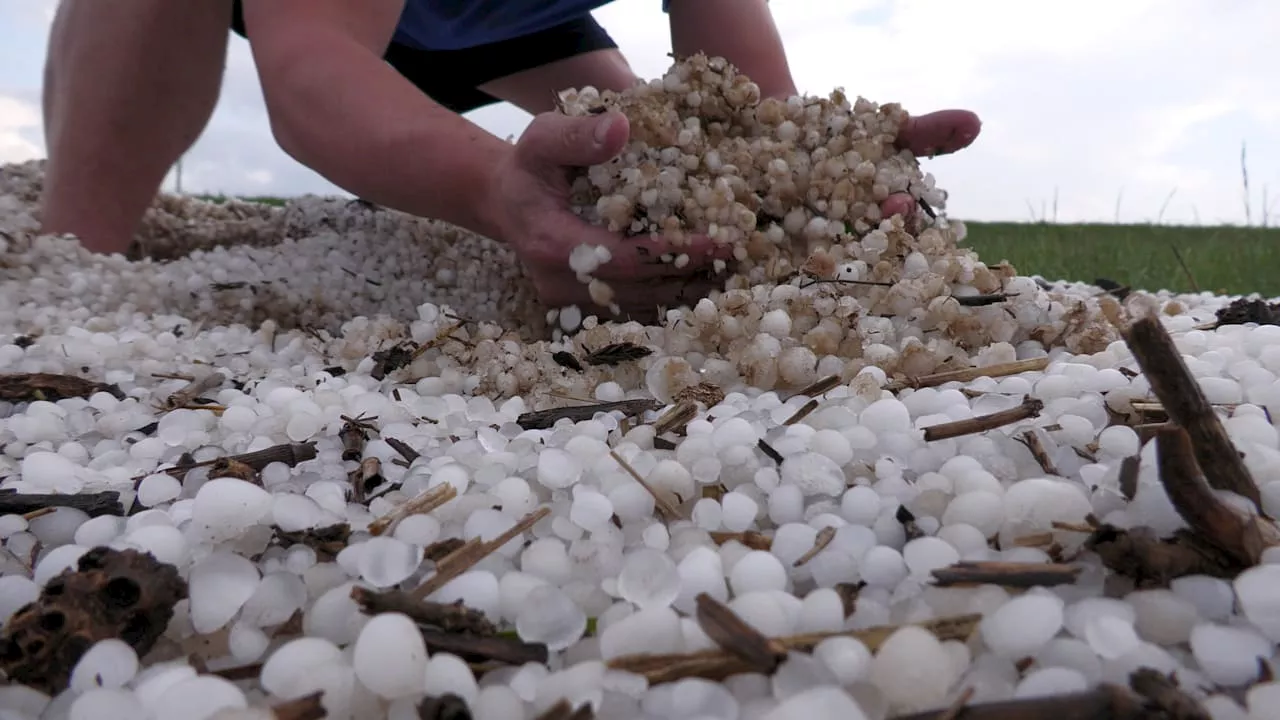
point(560, 140)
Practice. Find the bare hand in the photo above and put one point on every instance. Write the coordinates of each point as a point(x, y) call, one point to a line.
point(531, 204)
point(938, 133)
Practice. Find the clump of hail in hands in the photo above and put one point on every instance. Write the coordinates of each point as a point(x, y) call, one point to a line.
point(774, 179)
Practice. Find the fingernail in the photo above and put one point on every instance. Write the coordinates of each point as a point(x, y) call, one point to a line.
point(602, 130)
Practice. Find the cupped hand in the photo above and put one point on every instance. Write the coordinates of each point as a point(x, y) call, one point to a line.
point(937, 133)
point(530, 200)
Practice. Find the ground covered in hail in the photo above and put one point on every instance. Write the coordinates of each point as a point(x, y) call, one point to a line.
point(326, 460)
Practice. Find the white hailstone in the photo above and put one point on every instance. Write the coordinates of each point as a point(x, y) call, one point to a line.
point(776, 323)
point(158, 488)
point(547, 615)
point(758, 570)
point(106, 704)
point(390, 656)
point(847, 658)
point(1022, 625)
point(448, 674)
point(225, 508)
point(912, 669)
point(1050, 682)
point(15, 592)
point(655, 631)
point(926, 554)
point(648, 579)
point(387, 561)
point(813, 474)
point(220, 585)
point(1258, 593)
point(558, 469)
point(293, 660)
point(109, 663)
point(1229, 655)
point(198, 698)
point(738, 511)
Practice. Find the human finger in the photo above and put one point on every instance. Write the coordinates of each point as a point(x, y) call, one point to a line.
point(898, 204)
point(939, 133)
point(556, 140)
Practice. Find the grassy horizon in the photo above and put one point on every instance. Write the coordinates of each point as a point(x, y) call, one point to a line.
point(1226, 259)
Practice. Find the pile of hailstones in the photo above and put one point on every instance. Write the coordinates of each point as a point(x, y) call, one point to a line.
point(604, 558)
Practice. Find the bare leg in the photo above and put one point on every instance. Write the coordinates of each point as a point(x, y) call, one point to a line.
point(129, 86)
point(533, 90)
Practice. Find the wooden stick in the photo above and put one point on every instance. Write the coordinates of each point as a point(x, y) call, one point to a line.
point(736, 637)
point(422, 504)
point(970, 374)
point(1242, 538)
point(663, 504)
point(543, 419)
point(718, 664)
point(1029, 408)
point(1006, 574)
point(94, 504)
point(1186, 405)
point(473, 552)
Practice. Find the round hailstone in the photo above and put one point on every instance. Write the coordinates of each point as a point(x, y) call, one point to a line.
point(106, 704)
point(278, 596)
point(558, 469)
point(294, 660)
point(1258, 592)
point(198, 698)
point(926, 554)
point(913, 670)
point(219, 586)
point(814, 474)
point(883, 567)
point(1111, 637)
point(1229, 655)
point(58, 559)
point(649, 579)
point(547, 615)
point(335, 616)
point(847, 658)
point(738, 512)
point(15, 592)
point(818, 703)
point(1050, 682)
point(590, 510)
point(757, 570)
point(1023, 625)
point(387, 561)
point(158, 488)
point(109, 663)
point(225, 508)
point(448, 674)
point(655, 631)
point(390, 657)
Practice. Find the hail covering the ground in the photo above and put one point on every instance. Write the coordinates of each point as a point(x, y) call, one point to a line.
point(329, 460)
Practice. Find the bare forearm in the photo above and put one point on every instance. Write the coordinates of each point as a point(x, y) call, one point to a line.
point(350, 117)
point(740, 31)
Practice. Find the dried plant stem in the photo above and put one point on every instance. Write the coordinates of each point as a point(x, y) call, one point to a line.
point(194, 389)
point(1186, 405)
point(970, 374)
point(719, 664)
point(426, 502)
point(1006, 574)
point(1029, 408)
point(663, 504)
point(820, 543)
point(465, 557)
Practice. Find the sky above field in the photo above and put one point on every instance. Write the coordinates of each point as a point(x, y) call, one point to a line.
point(1132, 109)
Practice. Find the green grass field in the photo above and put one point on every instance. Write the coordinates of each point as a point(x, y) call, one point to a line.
point(1228, 260)
point(1225, 260)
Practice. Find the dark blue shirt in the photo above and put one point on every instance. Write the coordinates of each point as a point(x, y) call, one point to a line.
point(458, 24)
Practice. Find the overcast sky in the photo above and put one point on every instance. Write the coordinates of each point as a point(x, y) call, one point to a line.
point(1091, 100)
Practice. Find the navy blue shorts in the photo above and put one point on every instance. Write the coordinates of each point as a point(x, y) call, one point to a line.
point(453, 77)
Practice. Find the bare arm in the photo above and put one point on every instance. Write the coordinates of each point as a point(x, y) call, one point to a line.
point(740, 31)
point(338, 108)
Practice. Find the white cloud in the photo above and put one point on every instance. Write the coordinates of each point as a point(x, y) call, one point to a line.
point(1083, 100)
point(19, 121)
